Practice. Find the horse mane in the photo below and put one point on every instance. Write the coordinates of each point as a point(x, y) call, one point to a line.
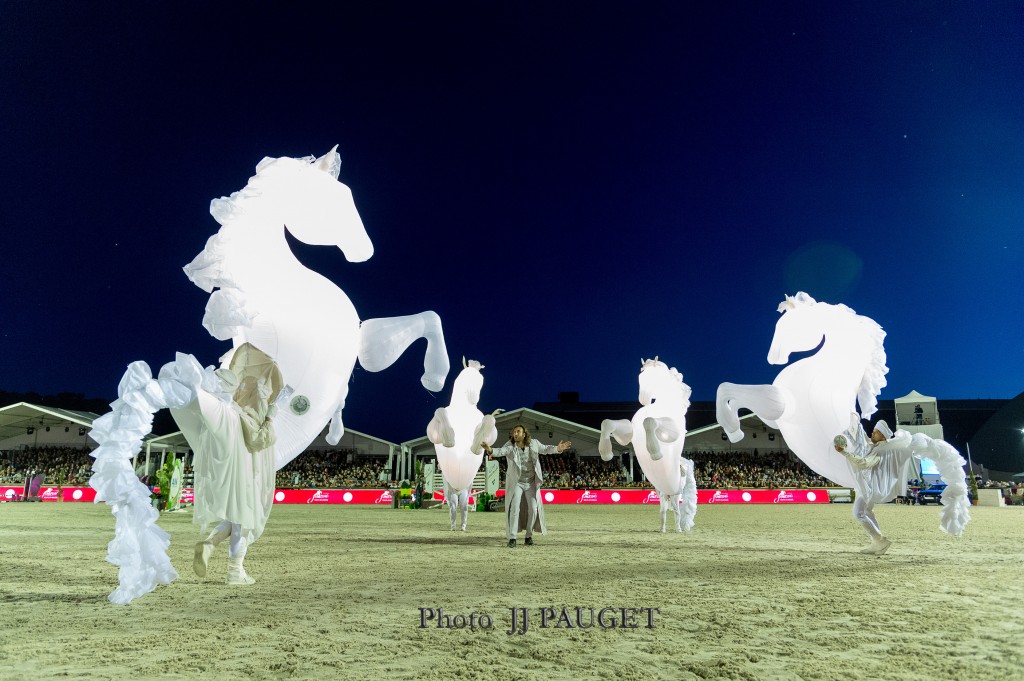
point(230, 208)
point(873, 380)
point(684, 390)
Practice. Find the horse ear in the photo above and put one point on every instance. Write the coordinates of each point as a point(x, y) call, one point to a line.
point(655, 358)
point(330, 162)
point(464, 362)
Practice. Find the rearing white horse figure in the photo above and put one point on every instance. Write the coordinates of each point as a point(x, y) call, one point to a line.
point(457, 432)
point(658, 431)
point(304, 321)
point(265, 296)
point(811, 400)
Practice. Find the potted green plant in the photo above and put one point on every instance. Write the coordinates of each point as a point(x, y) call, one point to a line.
point(163, 481)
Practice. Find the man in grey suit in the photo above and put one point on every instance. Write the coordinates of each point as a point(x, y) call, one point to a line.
point(522, 480)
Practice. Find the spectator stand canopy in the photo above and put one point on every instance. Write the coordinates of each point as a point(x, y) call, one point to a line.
point(29, 426)
point(358, 443)
point(24, 425)
point(756, 435)
point(543, 427)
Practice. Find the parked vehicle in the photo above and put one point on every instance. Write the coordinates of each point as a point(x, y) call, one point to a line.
point(931, 495)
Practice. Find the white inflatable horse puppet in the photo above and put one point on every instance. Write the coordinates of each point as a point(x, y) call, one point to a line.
point(457, 432)
point(658, 431)
point(811, 400)
point(265, 297)
point(304, 321)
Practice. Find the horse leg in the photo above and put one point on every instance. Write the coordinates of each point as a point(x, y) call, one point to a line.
point(485, 432)
point(767, 401)
point(676, 501)
point(440, 430)
point(658, 430)
point(464, 507)
point(621, 430)
point(382, 341)
point(337, 428)
point(452, 499)
point(663, 502)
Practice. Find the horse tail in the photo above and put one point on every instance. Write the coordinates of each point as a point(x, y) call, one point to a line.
point(688, 507)
point(955, 502)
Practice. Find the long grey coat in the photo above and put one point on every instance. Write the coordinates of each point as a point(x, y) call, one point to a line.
point(512, 481)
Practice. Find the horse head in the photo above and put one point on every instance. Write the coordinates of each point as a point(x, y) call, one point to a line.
point(657, 380)
point(469, 382)
point(305, 195)
point(803, 323)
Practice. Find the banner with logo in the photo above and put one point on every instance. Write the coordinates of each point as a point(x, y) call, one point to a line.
point(551, 496)
point(11, 492)
point(333, 496)
point(704, 496)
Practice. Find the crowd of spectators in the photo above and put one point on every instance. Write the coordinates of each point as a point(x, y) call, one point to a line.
point(753, 469)
point(331, 469)
point(1012, 491)
point(566, 471)
point(347, 469)
point(59, 465)
point(713, 470)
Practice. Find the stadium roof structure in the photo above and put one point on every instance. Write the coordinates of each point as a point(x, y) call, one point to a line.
point(351, 439)
point(17, 419)
point(544, 427)
point(22, 419)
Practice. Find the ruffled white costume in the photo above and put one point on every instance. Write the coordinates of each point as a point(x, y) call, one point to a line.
point(231, 433)
point(231, 482)
point(139, 546)
point(881, 471)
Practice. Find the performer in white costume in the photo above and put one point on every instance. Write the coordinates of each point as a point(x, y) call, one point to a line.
point(234, 470)
point(881, 466)
point(522, 481)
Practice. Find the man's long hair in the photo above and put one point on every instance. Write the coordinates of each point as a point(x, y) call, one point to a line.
point(526, 435)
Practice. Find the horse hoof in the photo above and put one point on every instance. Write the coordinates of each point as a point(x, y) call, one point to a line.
point(735, 436)
point(433, 382)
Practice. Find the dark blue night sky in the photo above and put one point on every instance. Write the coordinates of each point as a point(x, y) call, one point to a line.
point(570, 187)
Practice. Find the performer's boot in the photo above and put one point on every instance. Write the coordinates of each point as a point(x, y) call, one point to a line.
point(880, 546)
point(204, 549)
point(236, 554)
point(236, 573)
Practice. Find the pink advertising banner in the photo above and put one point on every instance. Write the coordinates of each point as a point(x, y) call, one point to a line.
point(551, 496)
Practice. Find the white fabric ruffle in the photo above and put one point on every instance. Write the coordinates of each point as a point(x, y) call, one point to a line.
point(688, 507)
point(231, 483)
point(139, 547)
point(956, 504)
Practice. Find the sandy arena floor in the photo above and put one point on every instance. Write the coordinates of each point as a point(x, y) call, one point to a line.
point(765, 592)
